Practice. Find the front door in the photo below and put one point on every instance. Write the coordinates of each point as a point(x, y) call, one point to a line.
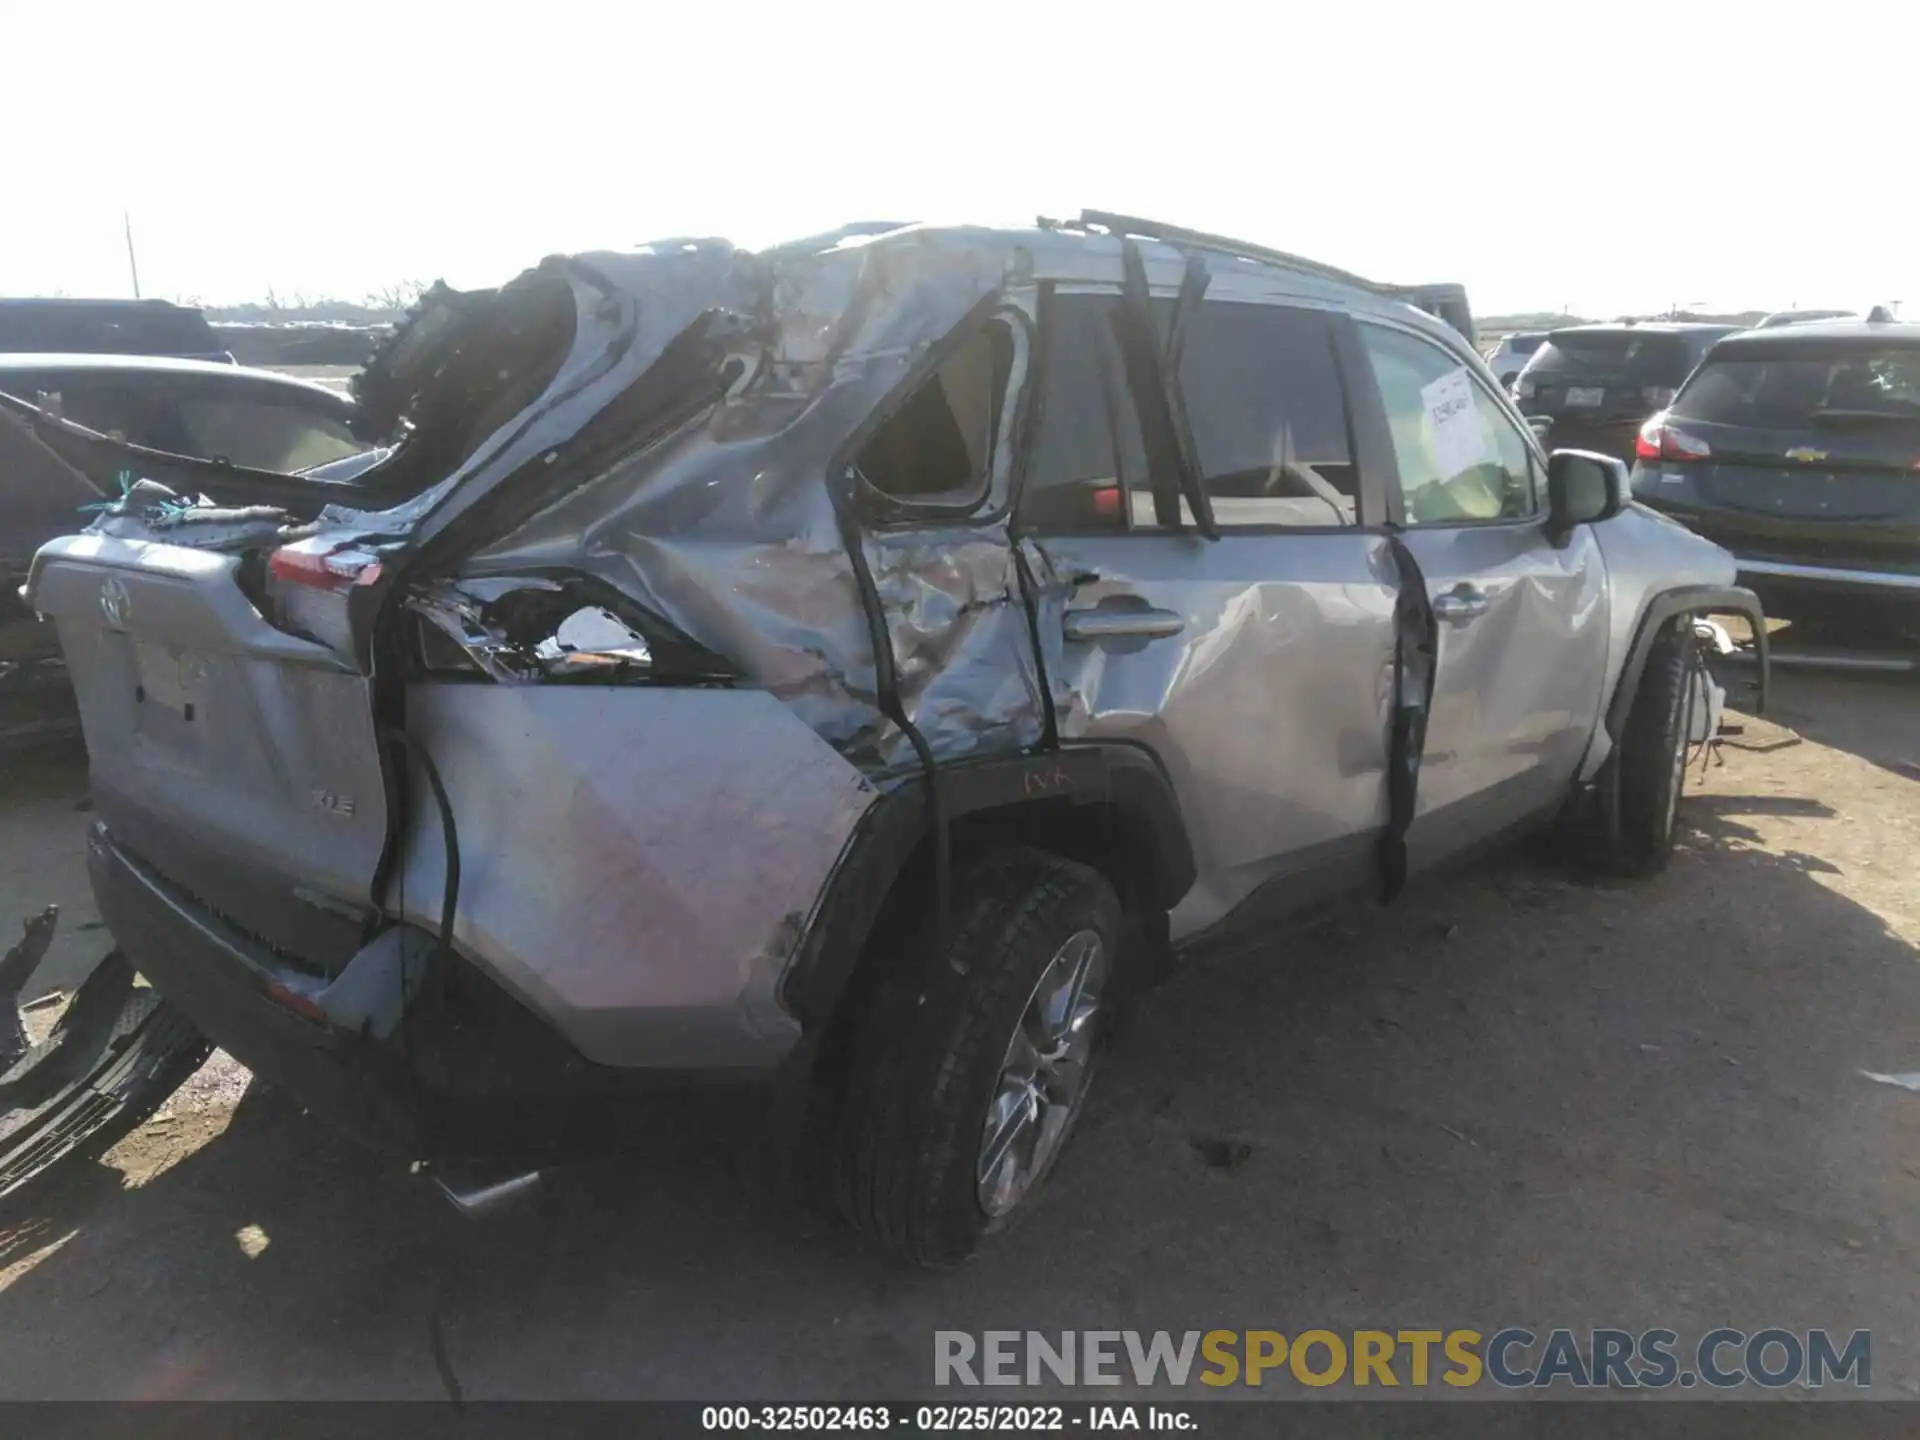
point(1255, 666)
point(1521, 622)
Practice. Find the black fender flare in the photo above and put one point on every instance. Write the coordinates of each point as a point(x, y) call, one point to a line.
point(1128, 777)
point(1665, 607)
point(1662, 610)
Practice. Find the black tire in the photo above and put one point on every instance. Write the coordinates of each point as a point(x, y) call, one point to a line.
point(927, 1064)
point(1653, 752)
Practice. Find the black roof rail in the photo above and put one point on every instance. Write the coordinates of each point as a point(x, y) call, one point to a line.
point(1117, 224)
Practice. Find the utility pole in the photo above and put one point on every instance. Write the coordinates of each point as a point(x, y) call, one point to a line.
point(132, 264)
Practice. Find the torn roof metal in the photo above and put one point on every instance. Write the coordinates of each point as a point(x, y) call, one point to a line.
point(692, 449)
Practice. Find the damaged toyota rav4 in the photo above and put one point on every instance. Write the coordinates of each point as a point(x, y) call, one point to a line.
point(840, 674)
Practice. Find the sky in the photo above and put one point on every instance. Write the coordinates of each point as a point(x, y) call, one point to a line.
point(1603, 157)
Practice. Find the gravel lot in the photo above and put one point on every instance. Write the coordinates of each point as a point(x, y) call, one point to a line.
point(1515, 1097)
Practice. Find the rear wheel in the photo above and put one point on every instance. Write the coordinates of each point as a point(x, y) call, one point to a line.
point(1653, 752)
point(975, 1056)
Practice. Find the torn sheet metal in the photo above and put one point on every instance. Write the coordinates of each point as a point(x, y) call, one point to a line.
point(722, 517)
point(727, 530)
point(1905, 1080)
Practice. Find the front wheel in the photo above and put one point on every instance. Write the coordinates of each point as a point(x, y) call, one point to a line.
point(1653, 752)
point(976, 1055)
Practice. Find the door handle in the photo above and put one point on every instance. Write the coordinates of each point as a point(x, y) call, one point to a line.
point(1459, 605)
point(1116, 624)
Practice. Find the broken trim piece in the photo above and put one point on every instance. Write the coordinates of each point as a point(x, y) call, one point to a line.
point(1416, 655)
point(1159, 409)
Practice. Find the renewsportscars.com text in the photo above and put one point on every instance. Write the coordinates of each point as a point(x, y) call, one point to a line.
point(1513, 1358)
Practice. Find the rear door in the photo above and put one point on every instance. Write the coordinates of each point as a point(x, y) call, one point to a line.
point(1256, 666)
point(1521, 622)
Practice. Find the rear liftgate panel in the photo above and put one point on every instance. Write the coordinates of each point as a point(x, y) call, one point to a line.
point(237, 760)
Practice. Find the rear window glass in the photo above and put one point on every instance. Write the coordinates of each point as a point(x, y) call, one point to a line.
point(264, 434)
point(1524, 344)
point(1622, 358)
point(1798, 390)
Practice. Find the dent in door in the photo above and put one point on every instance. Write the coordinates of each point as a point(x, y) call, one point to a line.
point(1267, 708)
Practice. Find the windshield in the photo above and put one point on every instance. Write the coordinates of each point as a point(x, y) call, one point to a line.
point(1616, 357)
point(1799, 389)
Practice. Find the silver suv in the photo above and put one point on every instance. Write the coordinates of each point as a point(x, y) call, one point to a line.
point(839, 674)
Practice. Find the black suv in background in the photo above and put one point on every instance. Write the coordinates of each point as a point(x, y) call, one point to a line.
point(1798, 448)
point(107, 327)
point(1597, 384)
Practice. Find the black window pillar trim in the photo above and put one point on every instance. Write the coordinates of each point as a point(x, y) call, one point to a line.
point(1369, 436)
point(1159, 408)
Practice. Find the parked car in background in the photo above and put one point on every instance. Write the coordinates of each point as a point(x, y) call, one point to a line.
point(1798, 448)
point(1597, 384)
point(252, 419)
point(257, 427)
point(1804, 317)
point(839, 674)
point(107, 327)
point(1510, 356)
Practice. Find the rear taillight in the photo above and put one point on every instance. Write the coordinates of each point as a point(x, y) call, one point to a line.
point(311, 562)
point(1659, 440)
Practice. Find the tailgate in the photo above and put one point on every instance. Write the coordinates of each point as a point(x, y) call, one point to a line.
point(235, 759)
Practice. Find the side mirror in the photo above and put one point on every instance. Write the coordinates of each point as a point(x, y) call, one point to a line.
point(1582, 489)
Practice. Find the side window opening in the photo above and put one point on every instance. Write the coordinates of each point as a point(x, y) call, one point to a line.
point(1263, 399)
point(1269, 417)
point(937, 448)
point(1460, 458)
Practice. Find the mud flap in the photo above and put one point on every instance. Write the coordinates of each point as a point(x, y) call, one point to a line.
point(1416, 653)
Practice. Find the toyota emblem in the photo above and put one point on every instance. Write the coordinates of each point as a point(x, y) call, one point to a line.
point(114, 601)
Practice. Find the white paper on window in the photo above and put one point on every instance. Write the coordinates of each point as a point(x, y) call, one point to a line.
point(1453, 421)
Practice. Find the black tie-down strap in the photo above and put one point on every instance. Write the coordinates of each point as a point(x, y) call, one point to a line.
point(1416, 650)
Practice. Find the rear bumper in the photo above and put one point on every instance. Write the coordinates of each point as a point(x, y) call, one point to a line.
point(468, 1073)
point(1879, 603)
point(1890, 584)
point(1574, 432)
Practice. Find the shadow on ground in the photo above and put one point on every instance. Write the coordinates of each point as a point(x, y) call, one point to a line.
point(1874, 716)
point(1514, 1097)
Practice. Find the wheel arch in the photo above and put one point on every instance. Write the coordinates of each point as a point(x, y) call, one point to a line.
point(1661, 610)
point(1109, 804)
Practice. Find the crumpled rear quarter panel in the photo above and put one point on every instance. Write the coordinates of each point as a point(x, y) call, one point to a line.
point(636, 864)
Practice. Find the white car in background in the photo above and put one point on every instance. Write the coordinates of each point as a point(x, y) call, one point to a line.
point(1507, 359)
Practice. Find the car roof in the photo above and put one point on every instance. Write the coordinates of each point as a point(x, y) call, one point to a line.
point(1644, 327)
point(13, 361)
point(1073, 251)
point(1817, 333)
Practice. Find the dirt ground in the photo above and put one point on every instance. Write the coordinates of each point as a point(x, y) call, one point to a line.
point(1514, 1097)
